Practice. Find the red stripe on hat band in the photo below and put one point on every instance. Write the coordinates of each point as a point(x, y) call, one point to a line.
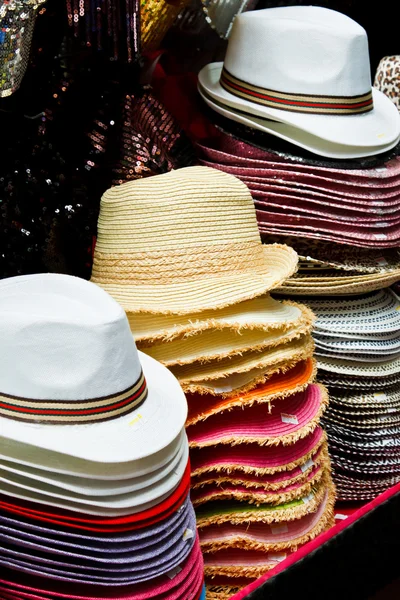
point(297, 102)
point(28, 409)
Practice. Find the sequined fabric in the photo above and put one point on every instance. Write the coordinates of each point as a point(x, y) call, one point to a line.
point(107, 25)
point(151, 141)
point(157, 16)
point(17, 22)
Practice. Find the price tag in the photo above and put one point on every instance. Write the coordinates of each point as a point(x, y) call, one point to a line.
point(289, 419)
point(340, 517)
point(307, 465)
point(188, 534)
point(380, 236)
point(174, 572)
point(380, 396)
point(308, 498)
point(279, 528)
point(277, 556)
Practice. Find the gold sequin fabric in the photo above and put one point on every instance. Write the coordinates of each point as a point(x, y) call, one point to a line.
point(17, 22)
point(157, 16)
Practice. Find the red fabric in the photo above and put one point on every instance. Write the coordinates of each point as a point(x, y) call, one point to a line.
point(318, 541)
point(114, 524)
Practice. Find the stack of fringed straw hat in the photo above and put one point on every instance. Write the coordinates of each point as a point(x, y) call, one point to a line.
point(94, 471)
point(182, 253)
point(358, 351)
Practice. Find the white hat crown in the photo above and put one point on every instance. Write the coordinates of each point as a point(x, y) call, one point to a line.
point(299, 50)
point(67, 343)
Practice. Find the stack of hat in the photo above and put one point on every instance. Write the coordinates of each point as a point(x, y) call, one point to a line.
point(316, 145)
point(93, 453)
point(357, 263)
point(350, 197)
point(182, 253)
point(358, 350)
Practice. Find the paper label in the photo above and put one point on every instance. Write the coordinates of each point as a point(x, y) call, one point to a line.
point(307, 465)
point(380, 236)
point(277, 556)
point(380, 396)
point(174, 572)
point(308, 498)
point(188, 534)
point(279, 528)
point(340, 517)
point(382, 262)
point(289, 419)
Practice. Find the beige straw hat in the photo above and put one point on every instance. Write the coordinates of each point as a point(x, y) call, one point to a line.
point(249, 362)
point(303, 285)
point(184, 241)
point(263, 313)
point(218, 344)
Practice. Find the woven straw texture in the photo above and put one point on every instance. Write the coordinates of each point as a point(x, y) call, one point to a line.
point(184, 241)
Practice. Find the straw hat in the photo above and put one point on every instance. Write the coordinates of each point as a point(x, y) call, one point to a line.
point(384, 345)
point(261, 314)
point(334, 286)
point(48, 380)
point(216, 344)
point(269, 481)
point(239, 513)
point(276, 387)
point(165, 245)
point(289, 420)
point(359, 119)
point(355, 368)
point(255, 459)
point(365, 382)
point(364, 315)
point(227, 491)
point(288, 353)
point(273, 537)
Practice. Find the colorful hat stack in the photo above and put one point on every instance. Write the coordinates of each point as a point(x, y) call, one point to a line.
point(313, 208)
point(182, 253)
point(324, 174)
point(94, 464)
point(358, 351)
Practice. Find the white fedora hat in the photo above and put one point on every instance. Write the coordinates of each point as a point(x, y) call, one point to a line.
point(307, 67)
point(71, 379)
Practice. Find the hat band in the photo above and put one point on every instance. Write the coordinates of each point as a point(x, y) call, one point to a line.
point(160, 267)
point(321, 105)
point(75, 411)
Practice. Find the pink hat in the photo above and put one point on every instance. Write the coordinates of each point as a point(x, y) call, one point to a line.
point(227, 491)
point(256, 459)
point(269, 481)
point(290, 419)
point(269, 537)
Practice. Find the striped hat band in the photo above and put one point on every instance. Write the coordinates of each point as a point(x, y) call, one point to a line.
point(69, 412)
point(303, 103)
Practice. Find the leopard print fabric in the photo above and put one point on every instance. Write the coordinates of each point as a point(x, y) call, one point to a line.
point(387, 78)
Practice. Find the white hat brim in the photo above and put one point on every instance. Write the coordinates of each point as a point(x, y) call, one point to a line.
point(327, 135)
point(94, 487)
point(135, 436)
point(112, 506)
